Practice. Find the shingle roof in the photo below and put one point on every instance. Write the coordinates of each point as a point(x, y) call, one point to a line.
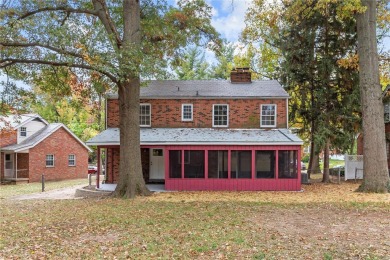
point(16, 121)
point(211, 88)
point(38, 137)
point(202, 136)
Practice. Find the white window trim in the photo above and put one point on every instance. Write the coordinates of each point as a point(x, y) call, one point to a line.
point(74, 159)
point(227, 121)
point(261, 115)
point(50, 166)
point(182, 112)
point(25, 131)
point(150, 114)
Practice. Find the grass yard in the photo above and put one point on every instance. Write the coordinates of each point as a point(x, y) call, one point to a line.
point(7, 191)
point(323, 222)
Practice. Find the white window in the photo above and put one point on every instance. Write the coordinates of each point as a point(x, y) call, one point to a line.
point(220, 115)
point(186, 112)
point(268, 115)
point(71, 160)
point(50, 160)
point(23, 131)
point(144, 114)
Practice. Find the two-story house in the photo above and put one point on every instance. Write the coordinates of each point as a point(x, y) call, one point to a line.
point(30, 147)
point(210, 135)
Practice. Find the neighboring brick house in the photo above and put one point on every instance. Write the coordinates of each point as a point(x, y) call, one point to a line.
point(30, 147)
point(210, 135)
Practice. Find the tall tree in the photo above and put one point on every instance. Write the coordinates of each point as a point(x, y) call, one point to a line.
point(108, 38)
point(376, 175)
point(193, 66)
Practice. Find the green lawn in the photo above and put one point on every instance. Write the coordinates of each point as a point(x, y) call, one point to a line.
point(7, 191)
point(323, 222)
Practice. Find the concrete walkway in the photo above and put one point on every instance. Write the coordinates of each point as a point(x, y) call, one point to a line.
point(69, 193)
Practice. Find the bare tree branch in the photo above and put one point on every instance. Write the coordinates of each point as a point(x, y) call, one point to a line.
point(37, 44)
point(4, 63)
point(59, 8)
point(104, 16)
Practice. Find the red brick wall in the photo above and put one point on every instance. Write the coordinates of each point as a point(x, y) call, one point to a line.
point(8, 137)
point(23, 165)
point(243, 113)
point(60, 144)
point(112, 165)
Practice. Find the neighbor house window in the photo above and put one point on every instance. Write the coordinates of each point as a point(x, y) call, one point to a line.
point(71, 160)
point(186, 112)
point(268, 116)
point(144, 114)
point(49, 160)
point(23, 131)
point(220, 115)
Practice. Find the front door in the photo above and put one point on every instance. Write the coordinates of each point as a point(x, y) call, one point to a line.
point(157, 165)
point(9, 166)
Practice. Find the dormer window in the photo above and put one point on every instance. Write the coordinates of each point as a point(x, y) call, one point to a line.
point(23, 131)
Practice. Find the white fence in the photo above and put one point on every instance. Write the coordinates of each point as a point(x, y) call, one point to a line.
point(353, 167)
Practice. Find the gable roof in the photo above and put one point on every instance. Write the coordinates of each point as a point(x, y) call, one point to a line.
point(39, 136)
point(16, 121)
point(210, 89)
point(202, 136)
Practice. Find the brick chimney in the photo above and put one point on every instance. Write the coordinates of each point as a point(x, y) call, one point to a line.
point(240, 75)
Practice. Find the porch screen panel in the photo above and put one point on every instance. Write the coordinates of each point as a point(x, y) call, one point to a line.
point(194, 164)
point(175, 164)
point(241, 165)
point(265, 164)
point(288, 165)
point(218, 164)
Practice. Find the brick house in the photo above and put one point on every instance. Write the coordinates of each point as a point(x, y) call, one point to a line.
point(210, 135)
point(30, 147)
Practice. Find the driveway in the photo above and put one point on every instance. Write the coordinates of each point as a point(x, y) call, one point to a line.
point(59, 194)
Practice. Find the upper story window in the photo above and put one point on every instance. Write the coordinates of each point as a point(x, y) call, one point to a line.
point(186, 112)
point(23, 131)
point(144, 115)
point(220, 115)
point(268, 115)
point(387, 112)
point(50, 160)
point(71, 160)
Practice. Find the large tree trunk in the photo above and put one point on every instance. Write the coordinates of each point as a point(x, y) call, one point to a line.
point(131, 182)
point(376, 176)
point(325, 176)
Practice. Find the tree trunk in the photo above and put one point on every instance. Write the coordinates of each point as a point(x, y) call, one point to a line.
point(376, 176)
point(131, 182)
point(325, 176)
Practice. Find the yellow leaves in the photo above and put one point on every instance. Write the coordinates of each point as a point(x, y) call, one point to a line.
point(351, 62)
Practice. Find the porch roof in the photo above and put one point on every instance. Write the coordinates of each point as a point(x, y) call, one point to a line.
point(39, 137)
point(202, 136)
